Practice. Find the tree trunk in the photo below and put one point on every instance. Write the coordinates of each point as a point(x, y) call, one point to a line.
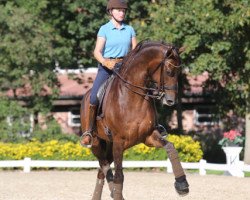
point(247, 142)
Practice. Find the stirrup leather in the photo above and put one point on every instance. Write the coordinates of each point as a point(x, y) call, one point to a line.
point(87, 133)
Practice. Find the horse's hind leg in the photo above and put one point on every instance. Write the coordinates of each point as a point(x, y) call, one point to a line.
point(156, 140)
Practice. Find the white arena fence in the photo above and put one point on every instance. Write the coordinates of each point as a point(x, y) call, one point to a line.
point(27, 164)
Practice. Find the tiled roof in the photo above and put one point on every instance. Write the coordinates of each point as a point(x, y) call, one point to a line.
point(76, 85)
point(72, 83)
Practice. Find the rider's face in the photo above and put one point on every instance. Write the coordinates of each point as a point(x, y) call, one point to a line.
point(118, 14)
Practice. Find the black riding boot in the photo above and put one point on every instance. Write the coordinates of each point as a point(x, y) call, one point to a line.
point(86, 139)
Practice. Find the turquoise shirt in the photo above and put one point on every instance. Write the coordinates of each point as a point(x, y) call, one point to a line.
point(118, 41)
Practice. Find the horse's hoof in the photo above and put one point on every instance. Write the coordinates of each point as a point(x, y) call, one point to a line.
point(182, 188)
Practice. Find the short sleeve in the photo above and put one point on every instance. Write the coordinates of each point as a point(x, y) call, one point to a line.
point(101, 32)
point(132, 32)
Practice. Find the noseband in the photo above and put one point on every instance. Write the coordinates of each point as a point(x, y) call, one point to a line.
point(156, 92)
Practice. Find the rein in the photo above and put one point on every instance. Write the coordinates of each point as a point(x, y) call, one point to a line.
point(139, 87)
point(160, 89)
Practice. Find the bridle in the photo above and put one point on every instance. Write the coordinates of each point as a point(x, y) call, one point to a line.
point(156, 92)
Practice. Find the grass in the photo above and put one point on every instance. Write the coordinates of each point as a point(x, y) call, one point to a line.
point(215, 172)
point(247, 174)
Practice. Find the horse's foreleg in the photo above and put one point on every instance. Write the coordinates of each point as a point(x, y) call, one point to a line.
point(118, 178)
point(99, 185)
point(156, 140)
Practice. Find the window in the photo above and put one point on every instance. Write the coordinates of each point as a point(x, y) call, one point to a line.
point(74, 117)
point(205, 116)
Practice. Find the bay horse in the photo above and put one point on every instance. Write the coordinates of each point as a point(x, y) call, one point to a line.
point(148, 72)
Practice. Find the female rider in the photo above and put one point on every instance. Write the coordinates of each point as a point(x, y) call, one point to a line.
point(114, 40)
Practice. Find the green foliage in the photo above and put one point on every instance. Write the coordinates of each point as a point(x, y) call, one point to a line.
point(53, 132)
point(209, 145)
point(232, 138)
point(26, 59)
point(77, 23)
point(15, 126)
point(12, 128)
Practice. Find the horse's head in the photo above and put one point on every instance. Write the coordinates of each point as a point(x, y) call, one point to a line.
point(165, 74)
point(155, 65)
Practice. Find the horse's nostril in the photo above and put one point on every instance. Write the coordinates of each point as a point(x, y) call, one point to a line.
point(170, 102)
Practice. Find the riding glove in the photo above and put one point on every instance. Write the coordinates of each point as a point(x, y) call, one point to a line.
point(109, 63)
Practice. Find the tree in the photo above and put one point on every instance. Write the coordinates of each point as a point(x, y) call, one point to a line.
point(27, 56)
point(77, 22)
point(10, 124)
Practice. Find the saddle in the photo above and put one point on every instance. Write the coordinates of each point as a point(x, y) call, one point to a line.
point(101, 94)
point(105, 87)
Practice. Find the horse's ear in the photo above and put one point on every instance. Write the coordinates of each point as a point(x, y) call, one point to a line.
point(181, 50)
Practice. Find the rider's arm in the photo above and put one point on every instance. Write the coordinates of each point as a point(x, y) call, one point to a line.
point(100, 42)
point(134, 42)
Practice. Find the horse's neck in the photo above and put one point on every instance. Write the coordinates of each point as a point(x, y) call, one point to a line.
point(136, 75)
point(134, 78)
point(136, 71)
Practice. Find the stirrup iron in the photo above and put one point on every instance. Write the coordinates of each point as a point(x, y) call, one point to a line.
point(162, 130)
point(87, 133)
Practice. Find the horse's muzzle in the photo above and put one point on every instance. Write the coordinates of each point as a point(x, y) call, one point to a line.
point(168, 100)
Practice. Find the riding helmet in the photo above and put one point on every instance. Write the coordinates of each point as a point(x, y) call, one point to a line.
point(117, 4)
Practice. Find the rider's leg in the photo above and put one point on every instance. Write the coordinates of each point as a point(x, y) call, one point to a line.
point(86, 140)
point(102, 75)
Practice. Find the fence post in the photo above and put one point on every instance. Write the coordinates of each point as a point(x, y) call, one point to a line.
point(26, 166)
point(169, 166)
point(202, 167)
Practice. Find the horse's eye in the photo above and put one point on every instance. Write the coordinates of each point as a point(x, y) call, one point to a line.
point(170, 72)
point(152, 84)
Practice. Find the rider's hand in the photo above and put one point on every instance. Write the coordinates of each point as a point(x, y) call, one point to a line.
point(109, 63)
